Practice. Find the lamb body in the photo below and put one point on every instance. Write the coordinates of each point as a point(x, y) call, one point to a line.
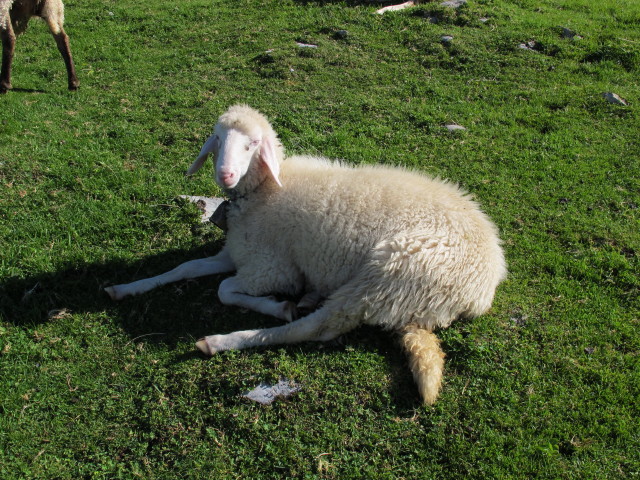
point(395, 246)
point(14, 17)
point(383, 246)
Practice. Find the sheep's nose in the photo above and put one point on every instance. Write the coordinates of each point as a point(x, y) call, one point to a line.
point(227, 178)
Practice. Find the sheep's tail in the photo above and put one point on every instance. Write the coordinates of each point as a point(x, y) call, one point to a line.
point(426, 360)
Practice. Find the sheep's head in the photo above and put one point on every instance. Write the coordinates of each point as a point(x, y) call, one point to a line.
point(246, 150)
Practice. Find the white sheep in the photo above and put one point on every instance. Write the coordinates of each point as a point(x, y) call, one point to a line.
point(14, 17)
point(382, 246)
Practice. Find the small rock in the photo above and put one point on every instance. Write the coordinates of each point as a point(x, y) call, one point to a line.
point(614, 98)
point(205, 204)
point(452, 127)
point(567, 33)
point(453, 3)
point(520, 319)
point(530, 45)
point(589, 350)
point(341, 34)
point(484, 19)
point(306, 45)
point(446, 38)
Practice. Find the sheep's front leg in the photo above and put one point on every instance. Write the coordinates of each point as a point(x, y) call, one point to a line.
point(232, 293)
point(220, 263)
point(320, 325)
point(8, 38)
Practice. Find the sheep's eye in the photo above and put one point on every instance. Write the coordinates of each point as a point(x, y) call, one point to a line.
point(254, 143)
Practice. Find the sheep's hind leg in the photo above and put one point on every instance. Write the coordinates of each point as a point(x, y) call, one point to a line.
point(220, 263)
point(232, 293)
point(62, 41)
point(317, 326)
point(8, 38)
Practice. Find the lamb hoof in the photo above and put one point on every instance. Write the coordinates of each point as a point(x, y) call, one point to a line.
point(203, 346)
point(309, 302)
point(114, 292)
point(289, 311)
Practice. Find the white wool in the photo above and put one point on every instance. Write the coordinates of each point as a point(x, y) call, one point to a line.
point(393, 246)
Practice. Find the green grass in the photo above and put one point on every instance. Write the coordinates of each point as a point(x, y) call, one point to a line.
point(546, 385)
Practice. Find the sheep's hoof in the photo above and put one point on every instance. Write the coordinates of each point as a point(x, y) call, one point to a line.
point(112, 293)
point(309, 302)
point(203, 346)
point(4, 88)
point(289, 311)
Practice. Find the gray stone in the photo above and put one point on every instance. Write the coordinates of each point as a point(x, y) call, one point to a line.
point(453, 3)
point(570, 34)
point(206, 205)
point(614, 98)
point(530, 45)
point(452, 127)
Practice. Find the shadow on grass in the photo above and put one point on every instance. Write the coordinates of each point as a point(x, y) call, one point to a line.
point(27, 90)
point(175, 313)
point(79, 289)
point(350, 3)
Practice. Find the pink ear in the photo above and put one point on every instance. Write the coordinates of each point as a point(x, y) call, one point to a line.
point(270, 159)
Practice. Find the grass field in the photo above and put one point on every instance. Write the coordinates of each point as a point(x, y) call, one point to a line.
point(546, 385)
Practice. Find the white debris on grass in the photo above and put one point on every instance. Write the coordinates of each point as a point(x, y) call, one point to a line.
point(402, 6)
point(394, 8)
point(266, 393)
point(530, 45)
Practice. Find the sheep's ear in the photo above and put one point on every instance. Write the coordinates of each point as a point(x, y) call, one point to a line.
point(210, 146)
point(270, 159)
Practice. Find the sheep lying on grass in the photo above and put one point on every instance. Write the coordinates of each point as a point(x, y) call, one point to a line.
point(382, 246)
point(14, 17)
